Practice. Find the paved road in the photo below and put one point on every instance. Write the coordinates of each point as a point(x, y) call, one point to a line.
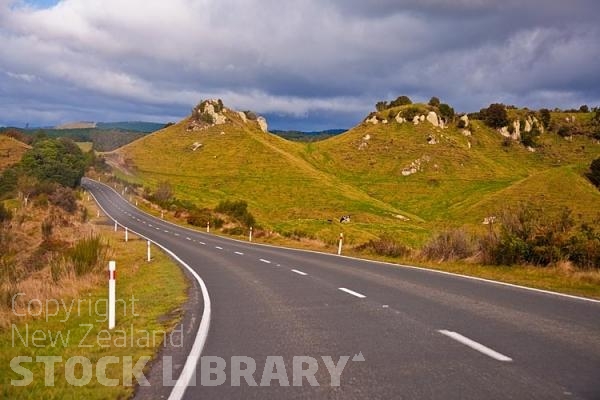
point(423, 334)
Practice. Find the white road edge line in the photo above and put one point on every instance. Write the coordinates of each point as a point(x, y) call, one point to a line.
point(475, 346)
point(299, 272)
point(193, 358)
point(265, 261)
point(352, 292)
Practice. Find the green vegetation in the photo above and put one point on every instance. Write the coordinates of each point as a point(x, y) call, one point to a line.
point(397, 187)
point(57, 160)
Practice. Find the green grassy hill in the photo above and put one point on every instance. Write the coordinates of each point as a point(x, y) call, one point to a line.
point(405, 179)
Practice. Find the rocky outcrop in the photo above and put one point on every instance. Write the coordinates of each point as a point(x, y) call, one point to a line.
point(206, 114)
point(465, 120)
point(416, 120)
point(399, 119)
point(262, 124)
point(372, 120)
point(242, 116)
point(432, 118)
point(416, 166)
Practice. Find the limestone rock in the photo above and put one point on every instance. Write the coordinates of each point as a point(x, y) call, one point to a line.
point(465, 119)
point(400, 119)
point(432, 118)
point(262, 123)
point(243, 116)
point(466, 132)
point(422, 118)
point(373, 120)
point(416, 120)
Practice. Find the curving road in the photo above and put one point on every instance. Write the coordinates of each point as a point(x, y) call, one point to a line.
point(423, 334)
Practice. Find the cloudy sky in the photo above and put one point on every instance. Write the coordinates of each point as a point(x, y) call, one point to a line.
point(305, 64)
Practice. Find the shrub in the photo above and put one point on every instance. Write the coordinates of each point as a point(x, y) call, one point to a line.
point(449, 245)
point(206, 117)
point(235, 231)
point(163, 193)
point(401, 101)
point(5, 214)
point(385, 246)
point(446, 112)
point(434, 101)
point(47, 228)
point(410, 112)
point(64, 198)
point(495, 116)
point(381, 105)
point(545, 117)
point(202, 217)
point(237, 210)
point(87, 255)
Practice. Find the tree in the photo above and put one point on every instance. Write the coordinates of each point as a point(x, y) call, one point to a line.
point(401, 101)
point(434, 102)
point(545, 117)
point(446, 112)
point(584, 109)
point(55, 160)
point(381, 105)
point(495, 116)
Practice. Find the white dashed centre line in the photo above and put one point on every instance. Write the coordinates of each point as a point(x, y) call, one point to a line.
point(475, 346)
point(299, 272)
point(166, 231)
point(239, 253)
point(265, 261)
point(202, 243)
point(352, 292)
point(218, 247)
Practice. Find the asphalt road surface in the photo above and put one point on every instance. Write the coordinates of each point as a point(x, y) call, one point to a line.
point(423, 334)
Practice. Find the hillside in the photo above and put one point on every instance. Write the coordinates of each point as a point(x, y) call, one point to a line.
point(11, 151)
point(391, 176)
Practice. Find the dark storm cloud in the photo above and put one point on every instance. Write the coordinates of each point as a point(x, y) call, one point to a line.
point(306, 63)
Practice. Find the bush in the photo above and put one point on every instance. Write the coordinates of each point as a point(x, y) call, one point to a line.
point(235, 231)
point(47, 228)
point(202, 217)
point(385, 246)
point(434, 102)
point(545, 117)
point(55, 160)
point(5, 214)
point(446, 112)
point(401, 101)
point(237, 210)
point(449, 245)
point(410, 112)
point(495, 116)
point(64, 198)
point(87, 255)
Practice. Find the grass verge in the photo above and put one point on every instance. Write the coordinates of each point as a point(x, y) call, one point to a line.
point(149, 297)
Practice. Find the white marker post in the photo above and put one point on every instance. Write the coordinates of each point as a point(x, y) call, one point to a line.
point(126, 234)
point(208, 227)
point(250, 236)
point(149, 256)
point(340, 245)
point(112, 286)
point(136, 203)
point(98, 214)
point(116, 225)
point(162, 215)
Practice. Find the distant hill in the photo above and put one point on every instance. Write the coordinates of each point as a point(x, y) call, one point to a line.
point(398, 172)
point(314, 136)
point(131, 126)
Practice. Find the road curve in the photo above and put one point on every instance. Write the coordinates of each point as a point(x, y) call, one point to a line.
point(423, 334)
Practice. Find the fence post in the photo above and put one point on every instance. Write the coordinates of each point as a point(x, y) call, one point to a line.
point(112, 283)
